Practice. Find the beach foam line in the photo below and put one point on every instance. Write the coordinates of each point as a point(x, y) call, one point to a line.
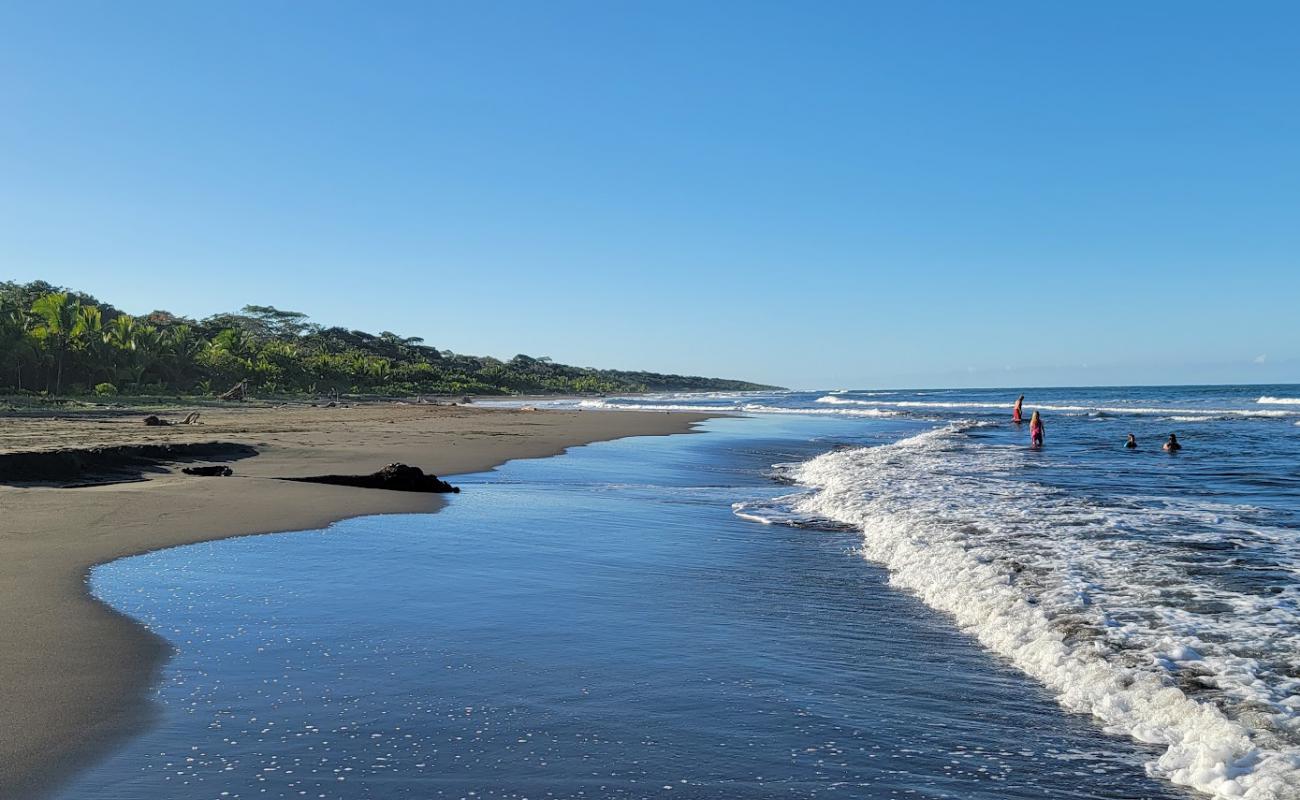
point(852, 412)
point(737, 407)
point(624, 406)
point(835, 395)
point(1037, 604)
point(849, 401)
point(1280, 401)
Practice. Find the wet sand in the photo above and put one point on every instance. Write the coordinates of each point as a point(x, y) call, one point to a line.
point(76, 674)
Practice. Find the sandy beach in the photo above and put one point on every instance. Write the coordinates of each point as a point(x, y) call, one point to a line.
point(76, 674)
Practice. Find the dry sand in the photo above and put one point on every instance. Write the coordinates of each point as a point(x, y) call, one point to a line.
point(74, 675)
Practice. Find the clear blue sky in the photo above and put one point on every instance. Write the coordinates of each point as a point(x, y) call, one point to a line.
point(813, 194)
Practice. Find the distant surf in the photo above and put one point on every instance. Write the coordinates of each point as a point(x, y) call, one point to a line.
point(742, 407)
point(1070, 409)
point(922, 404)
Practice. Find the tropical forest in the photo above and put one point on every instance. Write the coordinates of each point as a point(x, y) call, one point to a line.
point(60, 342)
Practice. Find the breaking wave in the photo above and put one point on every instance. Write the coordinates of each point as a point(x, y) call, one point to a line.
point(1124, 607)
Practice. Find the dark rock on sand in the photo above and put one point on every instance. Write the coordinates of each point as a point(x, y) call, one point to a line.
point(395, 477)
point(214, 470)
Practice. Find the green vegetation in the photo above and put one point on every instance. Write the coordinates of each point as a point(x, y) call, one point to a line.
point(59, 342)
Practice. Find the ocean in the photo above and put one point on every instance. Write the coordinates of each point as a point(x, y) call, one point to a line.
point(844, 593)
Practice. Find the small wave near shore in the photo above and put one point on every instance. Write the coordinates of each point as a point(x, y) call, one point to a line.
point(1084, 596)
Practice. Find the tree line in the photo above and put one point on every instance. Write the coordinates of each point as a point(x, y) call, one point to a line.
point(57, 341)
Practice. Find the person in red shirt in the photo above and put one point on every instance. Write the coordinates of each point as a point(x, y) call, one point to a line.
point(1015, 413)
point(1035, 430)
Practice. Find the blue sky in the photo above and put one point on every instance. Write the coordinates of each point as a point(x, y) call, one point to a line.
point(831, 194)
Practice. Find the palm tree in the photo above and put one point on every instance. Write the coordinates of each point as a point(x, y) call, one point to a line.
point(238, 343)
point(121, 332)
point(120, 335)
point(147, 349)
point(57, 316)
point(179, 348)
point(92, 338)
point(379, 369)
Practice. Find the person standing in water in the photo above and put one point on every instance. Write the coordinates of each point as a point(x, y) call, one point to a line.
point(1132, 443)
point(1035, 430)
point(1172, 446)
point(1015, 412)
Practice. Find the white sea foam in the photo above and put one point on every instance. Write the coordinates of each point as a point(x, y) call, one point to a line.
point(758, 408)
point(834, 397)
point(768, 515)
point(1279, 401)
point(1105, 619)
point(560, 403)
point(738, 407)
point(849, 401)
point(619, 405)
point(708, 395)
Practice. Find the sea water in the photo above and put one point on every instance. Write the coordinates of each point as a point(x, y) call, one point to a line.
point(1154, 592)
point(938, 612)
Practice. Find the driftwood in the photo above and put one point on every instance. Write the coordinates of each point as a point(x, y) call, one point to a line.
point(395, 477)
point(237, 392)
point(214, 470)
point(154, 421)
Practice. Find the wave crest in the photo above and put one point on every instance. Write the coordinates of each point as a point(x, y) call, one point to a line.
point(1048, 589)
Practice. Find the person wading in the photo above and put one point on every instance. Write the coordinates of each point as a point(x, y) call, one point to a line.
point(1036, 430)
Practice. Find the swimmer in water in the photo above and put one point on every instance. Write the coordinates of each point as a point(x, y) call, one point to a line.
point(1015, 412)
point(1172, 446)
point(1132, 443)
point(1035, 430)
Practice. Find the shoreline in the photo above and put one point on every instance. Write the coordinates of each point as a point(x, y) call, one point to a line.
point(80, 671)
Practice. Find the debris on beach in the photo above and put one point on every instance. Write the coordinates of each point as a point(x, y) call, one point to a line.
point(154, 421)
point(216, 470)
point(237, 392)
point(394, 477)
